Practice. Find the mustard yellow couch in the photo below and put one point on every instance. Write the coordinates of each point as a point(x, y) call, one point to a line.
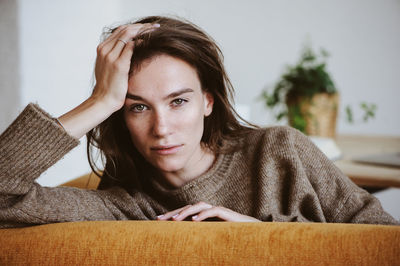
point(204, 243)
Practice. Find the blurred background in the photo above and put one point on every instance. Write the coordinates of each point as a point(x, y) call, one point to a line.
point(48, 50)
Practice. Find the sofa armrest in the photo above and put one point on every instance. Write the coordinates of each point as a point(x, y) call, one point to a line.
point(87, 181)
point(204, 243)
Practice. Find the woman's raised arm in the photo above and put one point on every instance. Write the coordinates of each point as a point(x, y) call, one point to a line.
point(112, 71)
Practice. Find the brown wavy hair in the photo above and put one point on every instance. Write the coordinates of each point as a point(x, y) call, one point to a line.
point(123, 164)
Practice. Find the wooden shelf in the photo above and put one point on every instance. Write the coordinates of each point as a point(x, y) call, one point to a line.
point(368, 174)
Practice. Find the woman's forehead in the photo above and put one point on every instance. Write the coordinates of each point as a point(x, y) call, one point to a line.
point(163, 75)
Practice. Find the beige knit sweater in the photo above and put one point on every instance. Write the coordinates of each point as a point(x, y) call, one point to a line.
point(279, 175)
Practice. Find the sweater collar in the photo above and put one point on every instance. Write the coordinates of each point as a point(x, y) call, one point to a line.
point(200, 188)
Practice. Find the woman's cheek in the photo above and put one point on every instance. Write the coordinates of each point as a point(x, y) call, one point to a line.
point(137, 128)
point(190, 117)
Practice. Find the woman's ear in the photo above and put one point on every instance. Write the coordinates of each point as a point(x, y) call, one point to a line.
point(208, 103)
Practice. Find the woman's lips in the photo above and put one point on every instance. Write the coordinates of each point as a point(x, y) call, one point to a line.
point(166, 150)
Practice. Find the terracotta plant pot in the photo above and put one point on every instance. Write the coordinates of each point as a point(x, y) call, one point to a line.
point(315, 116)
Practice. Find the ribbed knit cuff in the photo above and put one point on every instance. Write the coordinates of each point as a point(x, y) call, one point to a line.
point(29, 146)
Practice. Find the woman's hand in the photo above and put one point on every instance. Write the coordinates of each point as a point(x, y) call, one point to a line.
point(112, 70)
point(113, 64)
point(202, 211)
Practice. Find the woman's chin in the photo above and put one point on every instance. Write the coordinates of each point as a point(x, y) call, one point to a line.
point(168, 167)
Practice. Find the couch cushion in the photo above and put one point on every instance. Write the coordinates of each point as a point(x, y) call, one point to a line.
point(87, 181)
point(204, 243)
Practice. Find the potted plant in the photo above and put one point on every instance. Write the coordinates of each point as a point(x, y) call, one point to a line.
point(306, 95)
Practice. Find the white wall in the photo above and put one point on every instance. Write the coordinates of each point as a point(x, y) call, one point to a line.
point(9, 63)
point(57, 41)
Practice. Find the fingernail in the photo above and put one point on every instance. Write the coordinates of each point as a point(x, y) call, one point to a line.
point(194, 217)
point(156, 25)
point(160, 216)
point(176, 215)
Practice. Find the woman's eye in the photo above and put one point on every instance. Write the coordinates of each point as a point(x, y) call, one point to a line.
point(178, 102)
point(138, 108)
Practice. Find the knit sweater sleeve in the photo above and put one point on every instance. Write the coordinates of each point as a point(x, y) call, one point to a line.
point(29, 146)
point(341, 200)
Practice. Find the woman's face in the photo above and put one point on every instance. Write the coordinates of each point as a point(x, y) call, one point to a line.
point(164, 112)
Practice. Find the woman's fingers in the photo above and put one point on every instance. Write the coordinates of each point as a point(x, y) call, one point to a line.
point(127, 35)
point(223, 214)
point(122, 35)
point(131, 31)
point(212, 213)
point(201, 211)
point(105, 46)
point(169, 215)
point(127, 52)
point(182, 213)
point(191, 210)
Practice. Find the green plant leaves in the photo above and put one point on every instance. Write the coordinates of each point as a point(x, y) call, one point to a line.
point(369, 111)
point(349, 114)
point(298, 120)
point(306, 78)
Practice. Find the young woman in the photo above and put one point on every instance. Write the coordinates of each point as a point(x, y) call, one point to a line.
point(172, 145)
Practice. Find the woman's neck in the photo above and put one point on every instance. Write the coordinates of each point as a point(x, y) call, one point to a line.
point(195, 168)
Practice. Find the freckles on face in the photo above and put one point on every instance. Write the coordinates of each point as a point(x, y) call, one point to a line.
point(164, 112)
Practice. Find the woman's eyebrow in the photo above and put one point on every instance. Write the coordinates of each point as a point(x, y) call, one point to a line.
point(171, 95)
point(133, 97)
point(178, 93)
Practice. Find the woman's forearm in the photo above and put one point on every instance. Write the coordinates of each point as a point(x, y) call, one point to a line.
point(86, 116)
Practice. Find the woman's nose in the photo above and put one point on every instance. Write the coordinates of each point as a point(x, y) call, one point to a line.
point(160, 125)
